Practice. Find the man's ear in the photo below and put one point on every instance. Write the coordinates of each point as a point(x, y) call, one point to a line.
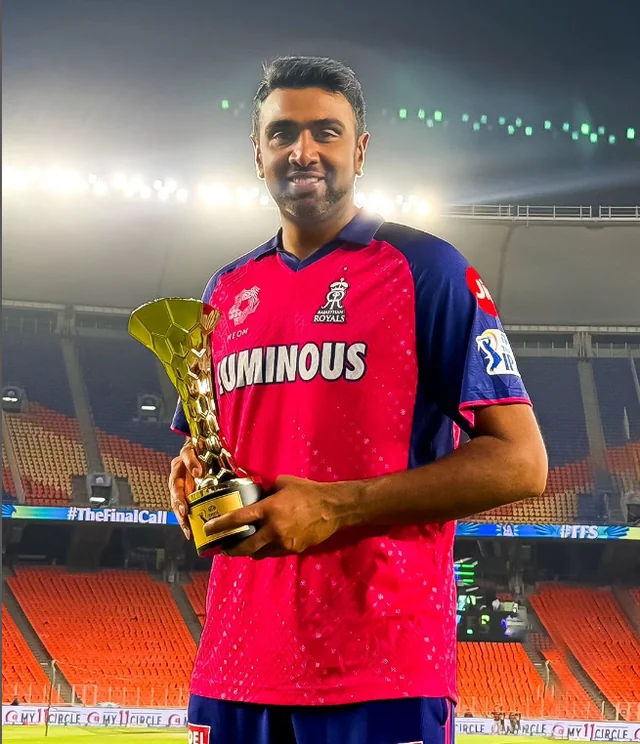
point(361, 151)
point(257, 156)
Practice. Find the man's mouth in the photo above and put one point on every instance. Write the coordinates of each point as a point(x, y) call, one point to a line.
point(305, 183)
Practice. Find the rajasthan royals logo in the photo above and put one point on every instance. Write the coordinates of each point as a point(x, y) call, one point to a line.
point(332, 311)
point(499, 359)
point(245, 304)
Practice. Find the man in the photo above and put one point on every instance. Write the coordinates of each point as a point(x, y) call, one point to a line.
point(512, 722)
point(496, 727)
point(349, 355)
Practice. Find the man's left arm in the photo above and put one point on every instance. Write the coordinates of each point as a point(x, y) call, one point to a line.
point(504, 462)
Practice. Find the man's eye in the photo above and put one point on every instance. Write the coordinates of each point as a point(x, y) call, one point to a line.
point(282, 136)
point(328, 134)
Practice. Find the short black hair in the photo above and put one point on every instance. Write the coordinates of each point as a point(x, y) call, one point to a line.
point(310, 72)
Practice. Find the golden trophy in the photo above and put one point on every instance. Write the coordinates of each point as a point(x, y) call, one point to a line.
point(178, 332)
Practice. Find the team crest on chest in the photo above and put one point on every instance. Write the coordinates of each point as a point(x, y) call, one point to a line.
point(245, 303)
point(333, 310)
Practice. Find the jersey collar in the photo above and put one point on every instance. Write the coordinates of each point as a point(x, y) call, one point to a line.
point(355, 234)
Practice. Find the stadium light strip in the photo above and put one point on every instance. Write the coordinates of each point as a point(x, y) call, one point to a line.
point(62, 182)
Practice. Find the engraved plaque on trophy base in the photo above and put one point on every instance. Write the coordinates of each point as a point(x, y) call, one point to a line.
point(207, 503)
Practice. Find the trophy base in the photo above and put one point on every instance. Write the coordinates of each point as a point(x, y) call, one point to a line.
point(207, 503)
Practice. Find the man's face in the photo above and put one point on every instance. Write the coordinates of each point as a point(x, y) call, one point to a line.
point(307, 151)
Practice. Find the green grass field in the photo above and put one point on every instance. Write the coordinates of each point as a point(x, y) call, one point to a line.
point(29, 735)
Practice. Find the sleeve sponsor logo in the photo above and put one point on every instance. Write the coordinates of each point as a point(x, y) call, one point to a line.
point(495, 347)
point(479, 290)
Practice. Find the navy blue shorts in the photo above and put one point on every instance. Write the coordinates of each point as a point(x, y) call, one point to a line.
point(403, 721)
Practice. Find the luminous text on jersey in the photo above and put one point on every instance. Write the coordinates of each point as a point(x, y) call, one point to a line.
point(270, 365)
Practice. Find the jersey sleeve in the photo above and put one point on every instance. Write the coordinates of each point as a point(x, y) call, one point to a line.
point(465, 359)
point(179, 423)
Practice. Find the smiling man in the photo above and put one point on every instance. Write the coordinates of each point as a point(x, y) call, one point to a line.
point(350, 354)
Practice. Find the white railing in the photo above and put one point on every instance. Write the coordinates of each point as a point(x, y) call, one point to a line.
point(530, 213)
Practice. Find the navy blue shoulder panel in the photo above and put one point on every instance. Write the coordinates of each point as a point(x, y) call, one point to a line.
point(256, 253)
point(464, 358)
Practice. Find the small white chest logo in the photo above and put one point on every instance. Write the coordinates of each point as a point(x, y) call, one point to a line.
point(245, 303)
point(333, 310)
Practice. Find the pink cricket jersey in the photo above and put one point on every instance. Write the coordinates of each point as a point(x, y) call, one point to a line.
point(360, 361)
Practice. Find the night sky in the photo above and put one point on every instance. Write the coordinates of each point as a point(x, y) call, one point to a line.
point(108, 82)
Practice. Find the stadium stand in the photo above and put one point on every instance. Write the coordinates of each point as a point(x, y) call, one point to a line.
point(129, 643)
point(22, 676)
point(116, 371)
point(146, 469)
point(571, 699)
point(554, 387)
point(197, 593)
point(49, 451)
point(9, 495)
point(617, 395)
point(35, 363)
point(498, 675)
point(589, 623)
point(624, 466)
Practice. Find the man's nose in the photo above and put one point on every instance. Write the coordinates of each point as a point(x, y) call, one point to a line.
point(305, 151)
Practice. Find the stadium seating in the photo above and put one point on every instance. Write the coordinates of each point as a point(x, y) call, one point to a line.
point(617, 393)
point(117, 635)
point(36, 364)
point(624, 466)
point(49, 451)
point(554, 387)
point(146, 469)
point(589, 624)
point(9, 495)
point(498, 674)
point(22, 676)
point(571, 699)
point(197, 593)
point(116, 371)
point(560, 502)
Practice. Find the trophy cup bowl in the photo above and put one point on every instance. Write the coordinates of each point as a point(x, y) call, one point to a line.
point(178, 332)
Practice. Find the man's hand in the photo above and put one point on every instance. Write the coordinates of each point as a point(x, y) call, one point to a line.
point(297, 515)
point(184, 469)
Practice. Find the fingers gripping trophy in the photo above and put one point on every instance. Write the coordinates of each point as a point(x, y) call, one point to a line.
point(178, 332)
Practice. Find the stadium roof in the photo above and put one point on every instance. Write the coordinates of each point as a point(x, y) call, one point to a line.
point(567, 270)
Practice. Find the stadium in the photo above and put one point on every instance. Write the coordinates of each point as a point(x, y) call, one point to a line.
point(104, 600)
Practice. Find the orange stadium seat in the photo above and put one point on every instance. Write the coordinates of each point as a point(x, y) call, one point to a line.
point(129, 643)
point(589, 623)
point(572, 699)
point(624, 466)
point(197, 593)
point(8, 486)
point(49, 451)
point(558, 504)
point(146, 469)
point(22, 675)
point(498, 674)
